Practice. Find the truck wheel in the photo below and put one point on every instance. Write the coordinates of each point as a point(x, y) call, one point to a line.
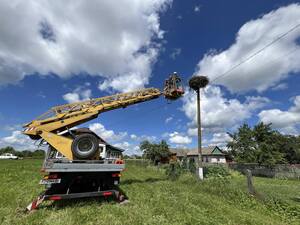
point(85, 146)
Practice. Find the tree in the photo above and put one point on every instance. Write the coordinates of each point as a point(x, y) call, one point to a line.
point(264, 145)
point(7, 149)
point(38, 154)
point(155, 152)
point(243, 145)
point(26, 153)
point(289, 145)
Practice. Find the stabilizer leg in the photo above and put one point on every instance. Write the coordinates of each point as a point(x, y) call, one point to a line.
point(35, 204)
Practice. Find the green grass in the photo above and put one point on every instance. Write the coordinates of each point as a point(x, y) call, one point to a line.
point(153, 200)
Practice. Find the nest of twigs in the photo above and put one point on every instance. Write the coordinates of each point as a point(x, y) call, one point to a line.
point(198, 82)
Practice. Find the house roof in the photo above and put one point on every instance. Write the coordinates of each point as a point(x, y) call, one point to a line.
point(178, 151)
point(114, 147)
point(211, 150)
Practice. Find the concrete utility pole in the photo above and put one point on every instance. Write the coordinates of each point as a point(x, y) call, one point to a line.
point(196, 83)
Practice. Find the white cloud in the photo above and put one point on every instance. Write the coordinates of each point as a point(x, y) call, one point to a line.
point(177, 138)
point(169, 119)
point(123, 145)
point(68, 38)
point(280, 87)
point(143, 138)
point(71, 97)
point(137, 149)
point(130, 149)
point(79, 94)
point(107, 135)
point(18, 141)
point(286, 121)
point(133, 136)
point(193, 130)
point(267, 68)
point(176, 52)
point(219, 113)
point(197, 8)
point(220, 139)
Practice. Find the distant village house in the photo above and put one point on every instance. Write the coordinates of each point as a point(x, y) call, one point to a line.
point(211, 154)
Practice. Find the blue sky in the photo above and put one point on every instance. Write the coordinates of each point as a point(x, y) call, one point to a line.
point(94, 49)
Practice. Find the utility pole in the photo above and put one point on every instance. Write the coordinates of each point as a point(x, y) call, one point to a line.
point(196, 83)
point(200, 167)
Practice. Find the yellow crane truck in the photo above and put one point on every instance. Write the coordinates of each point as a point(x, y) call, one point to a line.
point(82, 172)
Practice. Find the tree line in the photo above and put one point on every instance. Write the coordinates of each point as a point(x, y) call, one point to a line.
point(263, 145)
point(24, 154)
point(259, 144)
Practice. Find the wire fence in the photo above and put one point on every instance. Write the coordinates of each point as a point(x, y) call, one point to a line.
point(282, 171)
point(286, 171)
point(138, 162)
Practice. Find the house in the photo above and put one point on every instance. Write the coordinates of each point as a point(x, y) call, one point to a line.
point(212, 154)
point(178, 154)
point(107, 151)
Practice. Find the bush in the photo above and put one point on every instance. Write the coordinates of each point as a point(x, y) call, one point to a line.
point(215, 171)
point(192, 166)
point(188, 165)
point(174, 170)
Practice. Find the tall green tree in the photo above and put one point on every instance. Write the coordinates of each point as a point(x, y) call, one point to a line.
point(261, 144)
point(289, 145)
point(155, 151)
point(243, 145)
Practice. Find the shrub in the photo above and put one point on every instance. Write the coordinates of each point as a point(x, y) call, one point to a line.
point(192, 166)
point(174, 170)
point(215, 171)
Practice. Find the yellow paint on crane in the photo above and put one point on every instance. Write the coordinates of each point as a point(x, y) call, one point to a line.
point(61, 143)
point(64, 117)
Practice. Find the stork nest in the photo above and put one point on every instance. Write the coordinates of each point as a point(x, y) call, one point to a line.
point(198, 82)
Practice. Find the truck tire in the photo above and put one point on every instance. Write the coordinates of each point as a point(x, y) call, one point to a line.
point(85, 146)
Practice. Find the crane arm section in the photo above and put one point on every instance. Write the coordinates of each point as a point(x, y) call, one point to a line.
point(64, 117)
point(109, 102)
point(51, 126)
point(69, 115)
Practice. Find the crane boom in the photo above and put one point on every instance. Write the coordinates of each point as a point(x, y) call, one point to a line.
point(64, 117)
point(67, 116)
point(110, 102)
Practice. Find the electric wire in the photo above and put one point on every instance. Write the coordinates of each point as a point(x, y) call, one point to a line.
point(278, 38)
point(277, 58)
point(222, 75)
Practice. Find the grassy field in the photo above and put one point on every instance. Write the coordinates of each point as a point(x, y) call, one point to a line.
point(153, 200)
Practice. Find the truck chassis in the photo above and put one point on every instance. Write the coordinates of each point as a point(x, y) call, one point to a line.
point(79, 179)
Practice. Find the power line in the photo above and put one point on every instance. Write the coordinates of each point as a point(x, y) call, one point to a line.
point(228, 71)
point(257, 52)
point(280, 57)
point(266, 63)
